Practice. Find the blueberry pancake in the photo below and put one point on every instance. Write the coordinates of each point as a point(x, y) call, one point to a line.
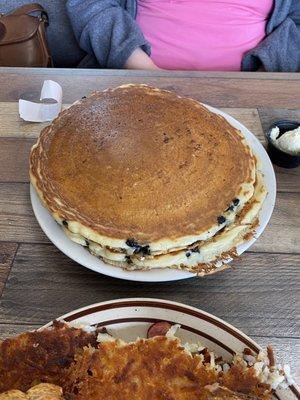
point(142, 177)
point(202, 257)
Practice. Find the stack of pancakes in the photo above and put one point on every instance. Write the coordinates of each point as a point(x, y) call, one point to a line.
point(147, 179)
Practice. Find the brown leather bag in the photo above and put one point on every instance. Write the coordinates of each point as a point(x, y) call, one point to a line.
point(22, 38)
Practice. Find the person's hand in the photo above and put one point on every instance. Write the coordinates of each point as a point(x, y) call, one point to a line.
point(140, 60)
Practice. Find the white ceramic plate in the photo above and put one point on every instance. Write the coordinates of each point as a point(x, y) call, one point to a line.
point(130, 318)
point(82, 256)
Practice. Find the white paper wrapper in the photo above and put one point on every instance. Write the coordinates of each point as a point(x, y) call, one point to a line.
point(42, 112)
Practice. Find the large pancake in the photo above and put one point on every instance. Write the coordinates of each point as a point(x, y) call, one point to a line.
point(140, 163)
point(202, 257)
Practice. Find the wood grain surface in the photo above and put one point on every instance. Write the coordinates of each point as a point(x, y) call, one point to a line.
point(248, 290)
point(7, 255)
point(218, 89)
point(259, 295)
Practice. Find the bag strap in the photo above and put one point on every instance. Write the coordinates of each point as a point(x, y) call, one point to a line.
point(31, 8)
point(28, 8)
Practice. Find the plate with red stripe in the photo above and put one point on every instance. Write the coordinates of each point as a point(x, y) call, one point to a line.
point(129, 319)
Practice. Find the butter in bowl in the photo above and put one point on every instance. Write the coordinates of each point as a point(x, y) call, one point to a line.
point(284, 143)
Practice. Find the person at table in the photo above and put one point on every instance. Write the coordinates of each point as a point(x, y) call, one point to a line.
point(227, 35)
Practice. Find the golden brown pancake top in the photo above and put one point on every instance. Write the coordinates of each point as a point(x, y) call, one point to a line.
point(138, 162)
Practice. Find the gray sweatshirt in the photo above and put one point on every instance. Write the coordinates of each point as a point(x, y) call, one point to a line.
point(106, 29)
point(106, 34)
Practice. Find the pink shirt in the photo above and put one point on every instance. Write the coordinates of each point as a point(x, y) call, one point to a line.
point(202, 34)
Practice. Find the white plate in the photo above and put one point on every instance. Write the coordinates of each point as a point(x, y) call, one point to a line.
point(81, 255)
point(130, 318)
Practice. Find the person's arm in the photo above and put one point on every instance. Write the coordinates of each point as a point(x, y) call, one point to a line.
point(280, 50)
point(107, 31)
point(139, 60)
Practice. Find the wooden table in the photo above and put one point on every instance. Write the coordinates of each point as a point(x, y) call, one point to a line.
point(260, 295)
